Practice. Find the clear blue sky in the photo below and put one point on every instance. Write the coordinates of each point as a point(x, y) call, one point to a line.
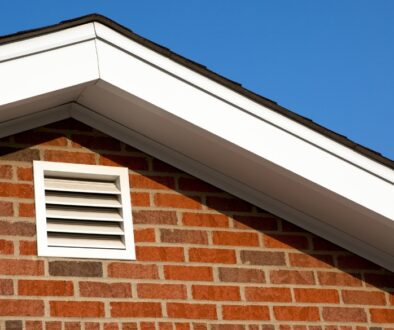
point(331, 61)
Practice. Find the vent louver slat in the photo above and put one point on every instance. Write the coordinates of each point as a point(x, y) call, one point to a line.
point(83, 213)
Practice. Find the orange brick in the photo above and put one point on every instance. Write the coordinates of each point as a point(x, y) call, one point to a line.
point(191, 311)
point(212, 255)
point(205, 220)
point(235, 238)
point(161, 291)
point(6, 287)
point(105, 290)
point(235, 312)
point(344, 314)
point(291, 277)
point(292, 313)
point(268, 294)
point(338, 279)
point(21, 267)
point(69, 157)
point(34, 325)
point(5, 171)
point(135, 271)
point(72, 326)
point(25, 173)
point(45, 288)
point(177, 201)
point(311, 261)
point(363, 297)
point(21, 307)
point(382, 315)
point(26, 210)
point(215, 292)
point(188, 273)
point(16, 190)
point(6, 247)
point(138, 181)
point(6, 209)
point(154, 253)
point(140, 199)
point(135, 309)
point(286, 242)
point(76, 308)
point(28, 248)
point(144, 235)
point(316, 295)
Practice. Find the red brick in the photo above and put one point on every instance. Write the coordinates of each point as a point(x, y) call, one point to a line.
point(316, 295)
point(135, 309)
point(43, 138)
point(92, 326)
point(228, 204)
point(320, 244)
point(21, 267)
point(144, 235)
point(75, 268)
point(138, 181)
point(205, 220)
point(154, 217)
point(132, 162)
point(182, 326)
point(292, 313)
point(154, 253)
point(161, 291)
point(95, 142)
point(291, 277)
point(140, 199)
point(77, 308)
point(243, 275)
point(72, 326)
point(215, 292)
point(105, 290)
point(159, 166)
point(191, 311)
point(382, 315)
point(6, 247)
point(263, 258)
point(355, 262)
point(53, 325)
point(166, 326)
point(193, 184)
point(34, 325)
point(268, 294)
point(188, 273)
point(6, 209)
point(236, 312)
point(21, 307)
point(235, 238)
point(5, 171)
point(338, 279)
point(391, 298)
point(6, 287)
point(26, 210)
point(25, 173)
point(45, 288)
point(28, 248)
point(379, 280)
point(363, 297)
point(17, 228)
point(228, 327)
point(311, 261)
point(212, 255)
point(344, 314)
point(177, 201)
point(135, 271)
point(20, 190)
point(184, 236)
point(69, 157)
point(286, 242)
point(261, 223)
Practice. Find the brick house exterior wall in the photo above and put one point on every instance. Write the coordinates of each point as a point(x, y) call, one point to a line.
point(205, 260)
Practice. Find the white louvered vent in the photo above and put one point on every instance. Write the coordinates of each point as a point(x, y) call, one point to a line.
point(83, 211)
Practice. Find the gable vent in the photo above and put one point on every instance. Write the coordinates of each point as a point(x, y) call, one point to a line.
point(83, 211)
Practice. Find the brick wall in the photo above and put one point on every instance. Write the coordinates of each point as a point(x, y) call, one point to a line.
point(205, 260)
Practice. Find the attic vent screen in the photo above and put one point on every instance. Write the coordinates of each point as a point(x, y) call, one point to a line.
point(83, 211)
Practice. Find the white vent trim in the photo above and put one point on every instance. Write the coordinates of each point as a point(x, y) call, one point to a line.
point(83, 211)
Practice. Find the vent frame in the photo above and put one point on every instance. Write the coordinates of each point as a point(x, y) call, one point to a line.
point(67, 171)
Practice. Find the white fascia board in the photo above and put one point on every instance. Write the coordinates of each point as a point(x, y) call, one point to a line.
point(242, 103)
point(179, 98)
point(41, 73)
point(47, 42)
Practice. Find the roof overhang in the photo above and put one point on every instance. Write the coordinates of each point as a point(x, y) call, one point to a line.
point(99, 76)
